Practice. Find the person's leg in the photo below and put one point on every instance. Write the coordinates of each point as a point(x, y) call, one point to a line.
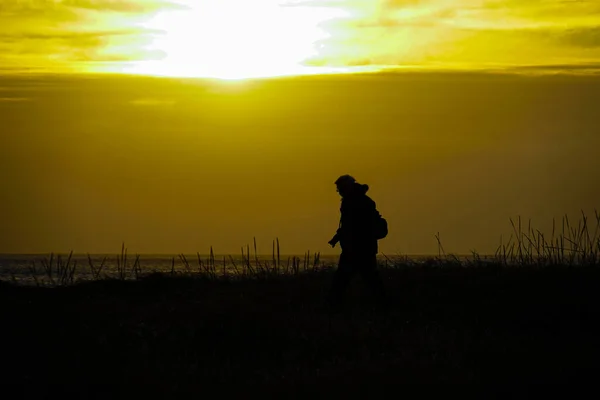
point(341, 279)
point(370, 274)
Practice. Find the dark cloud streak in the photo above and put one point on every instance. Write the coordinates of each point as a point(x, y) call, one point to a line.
point(588, 37)
point(584, 36)
point(77, 35)
point(67, 8)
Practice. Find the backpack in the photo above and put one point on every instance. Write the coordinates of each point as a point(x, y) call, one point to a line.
point(380, 228)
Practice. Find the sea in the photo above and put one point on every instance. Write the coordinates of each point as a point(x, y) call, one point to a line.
point(62, 269)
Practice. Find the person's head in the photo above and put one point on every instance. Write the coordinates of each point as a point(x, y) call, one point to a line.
point(345, 184)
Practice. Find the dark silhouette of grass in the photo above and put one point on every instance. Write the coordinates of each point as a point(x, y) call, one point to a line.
point(174, 334)
point(567, 245)
point(528, 316)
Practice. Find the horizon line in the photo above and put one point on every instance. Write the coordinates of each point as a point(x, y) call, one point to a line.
point(226, 254)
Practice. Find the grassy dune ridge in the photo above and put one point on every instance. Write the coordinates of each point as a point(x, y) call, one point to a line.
point(529, 315)
point(447, 324)
point(568, 244)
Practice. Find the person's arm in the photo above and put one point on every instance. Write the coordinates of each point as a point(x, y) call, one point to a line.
point(335, 240)
point(336, 237)
point(338, 233)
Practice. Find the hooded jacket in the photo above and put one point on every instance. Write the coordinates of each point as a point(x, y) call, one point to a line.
point(358, 213)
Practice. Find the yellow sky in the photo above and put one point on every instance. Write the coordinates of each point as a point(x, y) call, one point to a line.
point(176, 165)
point(238, 38)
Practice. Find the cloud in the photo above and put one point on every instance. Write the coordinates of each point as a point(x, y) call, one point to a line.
point(140, 6)
point(558, 39)
point(67, 15)
point(592, 68)
point(66, 7)
point(14, 99)
point(44, 33)
point(371, 32)
point(81, 46)
point(74, 36)
point(588, 37)
point(58, 34)
point(511, 32)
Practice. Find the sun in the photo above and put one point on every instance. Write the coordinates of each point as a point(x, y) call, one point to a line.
point(236, 39)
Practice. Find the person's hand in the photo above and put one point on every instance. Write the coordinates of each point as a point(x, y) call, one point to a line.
point(333, 242)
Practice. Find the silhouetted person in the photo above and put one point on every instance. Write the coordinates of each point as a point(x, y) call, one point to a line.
point(358, 240)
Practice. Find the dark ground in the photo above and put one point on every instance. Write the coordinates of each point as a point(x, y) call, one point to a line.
point(172, 335)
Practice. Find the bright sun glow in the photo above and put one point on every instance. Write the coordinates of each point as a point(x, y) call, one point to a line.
point(236, 39)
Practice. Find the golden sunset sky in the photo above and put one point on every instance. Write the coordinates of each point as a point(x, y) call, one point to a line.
point(476, 112)
point(241, 38)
